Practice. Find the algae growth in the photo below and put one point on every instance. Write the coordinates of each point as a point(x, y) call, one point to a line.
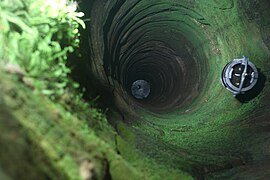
point(189, 127)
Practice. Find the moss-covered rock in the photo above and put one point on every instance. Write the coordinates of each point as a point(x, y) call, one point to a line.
point(41, 140)
point(190, 128)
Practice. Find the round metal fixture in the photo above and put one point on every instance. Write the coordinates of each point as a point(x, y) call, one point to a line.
point(239, 76)
point(140, 89)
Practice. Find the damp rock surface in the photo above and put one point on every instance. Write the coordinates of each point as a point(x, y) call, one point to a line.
point(189, 122)
point(189, 127)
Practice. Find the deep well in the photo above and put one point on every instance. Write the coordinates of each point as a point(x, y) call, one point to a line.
point(189, 122)
point(189, 127)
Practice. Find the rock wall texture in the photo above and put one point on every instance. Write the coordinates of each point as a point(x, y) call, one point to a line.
point(190, 127)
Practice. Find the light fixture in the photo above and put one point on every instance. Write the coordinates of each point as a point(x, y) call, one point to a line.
point(239, 76)
point(140, 89)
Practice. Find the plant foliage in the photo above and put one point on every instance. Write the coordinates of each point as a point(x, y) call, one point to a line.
point(37, 36)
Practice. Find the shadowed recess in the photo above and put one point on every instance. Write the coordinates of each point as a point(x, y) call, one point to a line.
point(189, 123)
point(155, 42)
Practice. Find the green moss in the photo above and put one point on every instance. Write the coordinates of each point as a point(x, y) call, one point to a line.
point(41, 139)
point(215, 132)
point(57, 141)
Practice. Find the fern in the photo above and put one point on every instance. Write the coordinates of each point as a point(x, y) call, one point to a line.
point(38, 36)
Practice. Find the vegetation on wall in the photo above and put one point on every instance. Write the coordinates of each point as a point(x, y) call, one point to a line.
point(39, 138)
point(48, 131)
point(37, 36)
